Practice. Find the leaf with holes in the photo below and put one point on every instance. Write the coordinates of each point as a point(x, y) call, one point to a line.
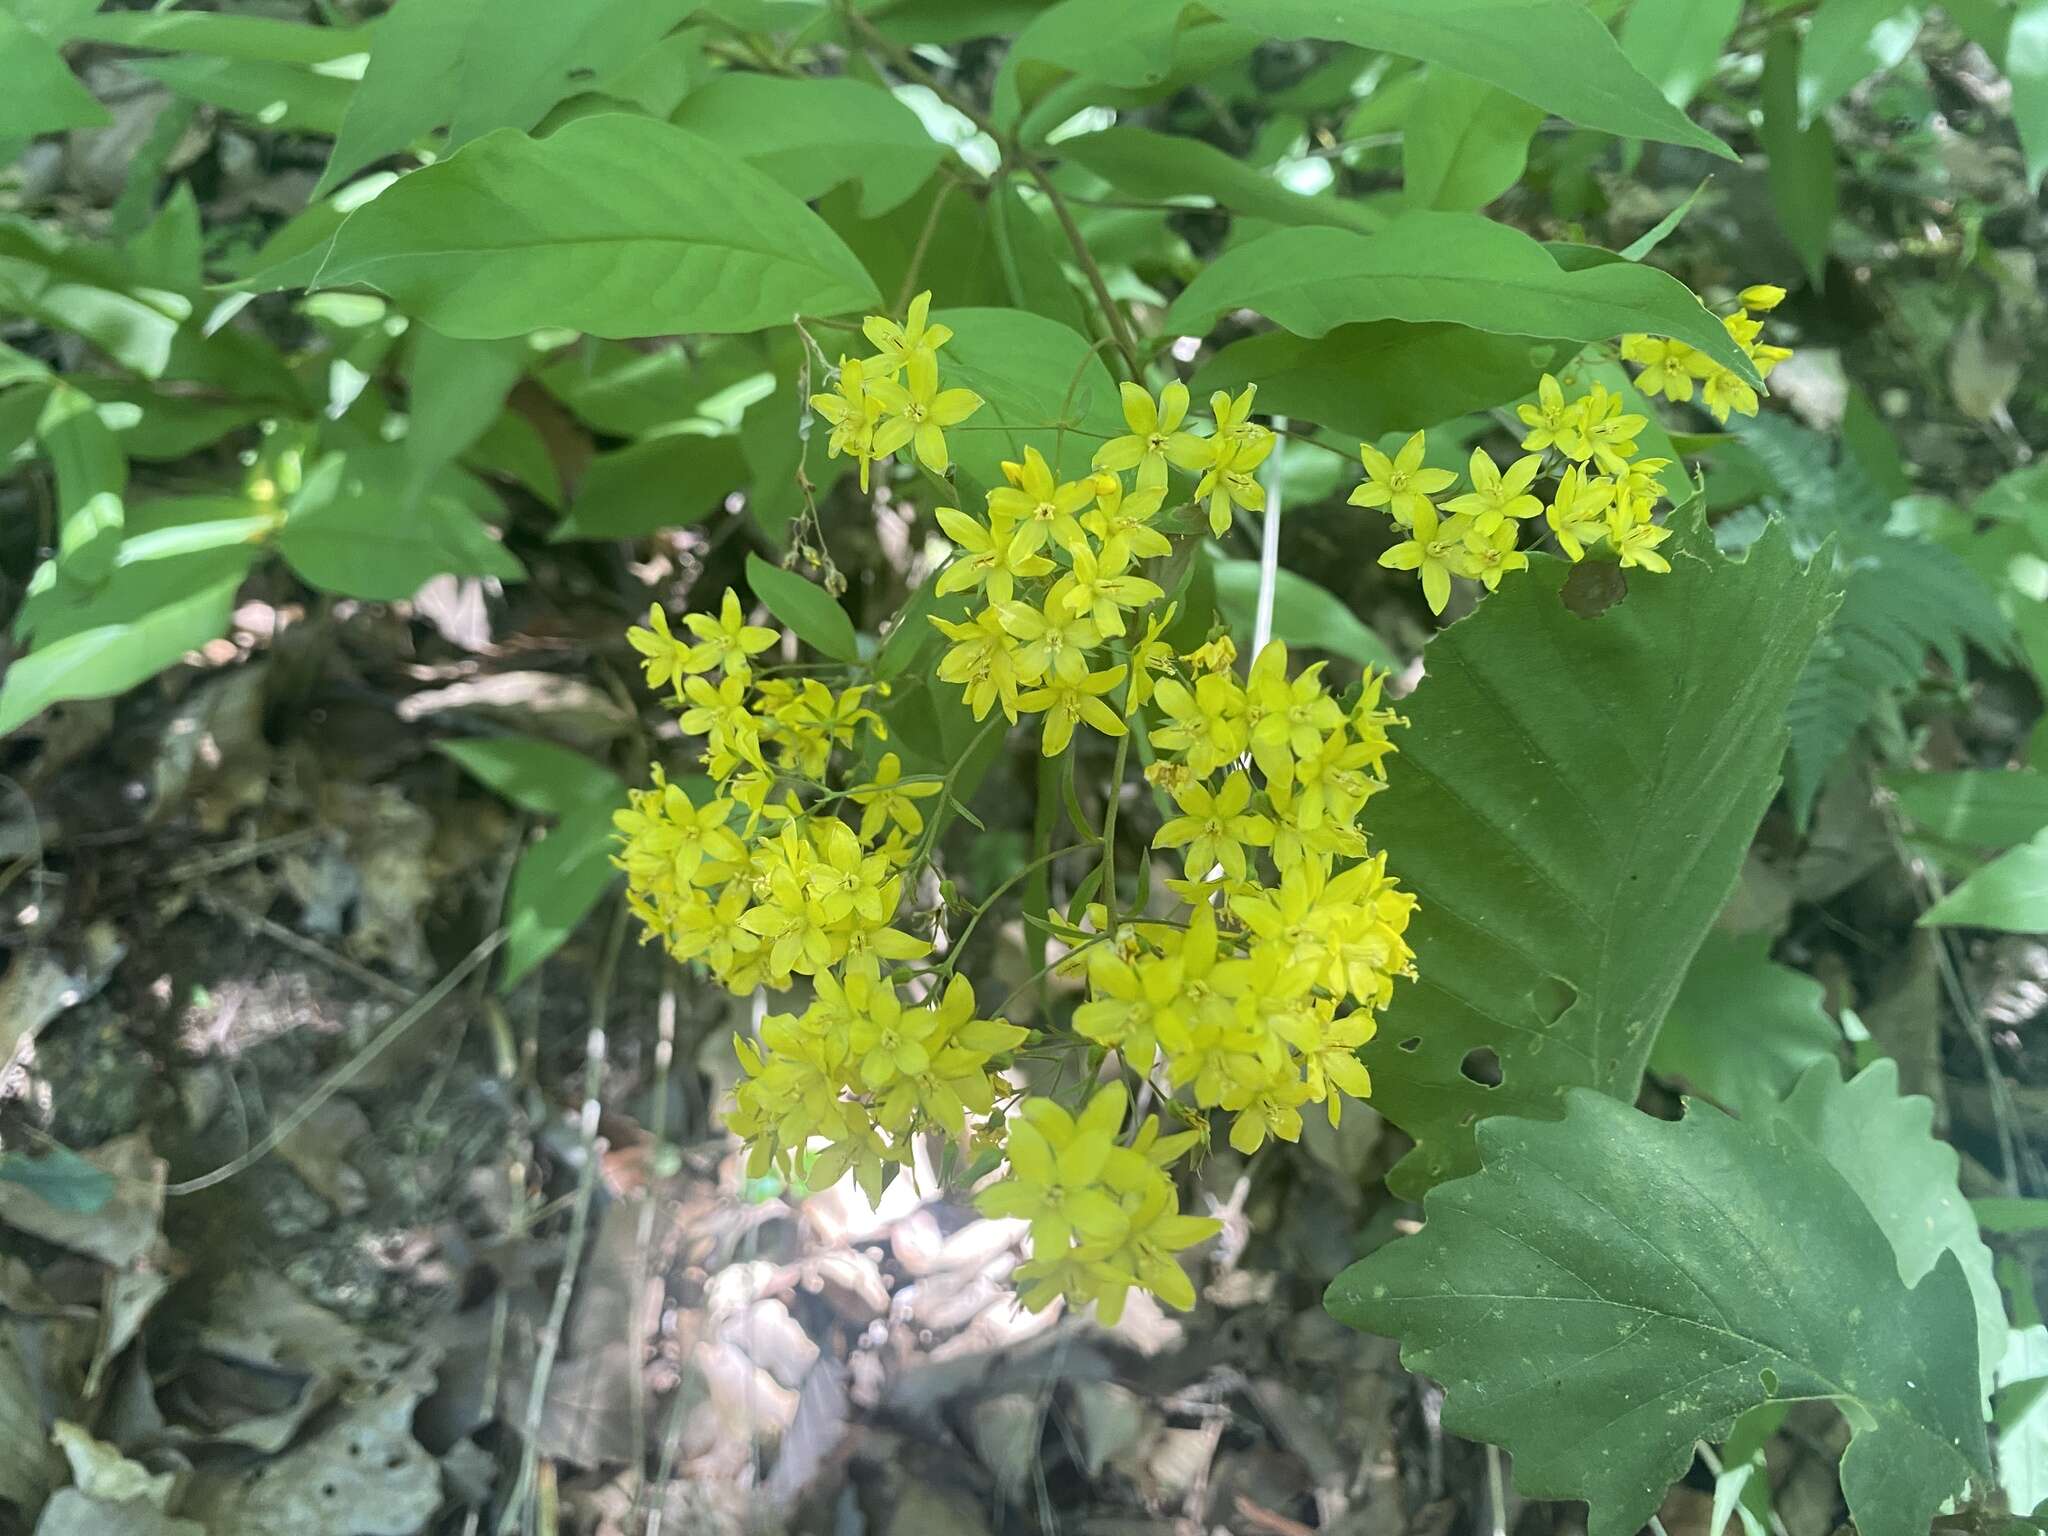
point(1611, 1289)
point(1571, 804)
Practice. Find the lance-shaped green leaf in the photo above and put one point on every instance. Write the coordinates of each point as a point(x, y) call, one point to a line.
point(1554, 54)
point(617, 225)
point(2010, 893)
point(1883, 1143)
point(1455, 267)
point(42, 95)
point(1142, 163)
point(1572, 802)
point(1612, 1288)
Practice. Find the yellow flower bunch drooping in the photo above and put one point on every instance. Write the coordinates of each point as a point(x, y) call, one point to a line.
point(1673, 369)
point(893, 400)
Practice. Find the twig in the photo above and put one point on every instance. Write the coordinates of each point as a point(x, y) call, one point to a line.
point(1112, 312)
point(643, 1239)
point(345, 1074)
point(579, 1224)
point(221, 906)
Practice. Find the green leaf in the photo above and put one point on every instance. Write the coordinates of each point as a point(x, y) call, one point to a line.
point(2022, 1418)
point(811, 612)
point(1884, 1145)
point(1143, 164)
point(91, 476)
point(1987, 808)
point(42, 95)
point(1678, 43)
point(1553, 54)
point(1305, 616)
point(1465, 144)
point(455, 390)
point(353, 532)
point(60, 1178)
point(814, 133)
point(2011, 1214)
point(1847, 43)
point(2026, 67)
point(556, 882)
point(2010, 894)
point(538, 775)
point(665, 482)
point(1033, 375)
point(617, 225)
point(1656, 234)
point(478, 65)
point(259, 39)
point(1613, 1288)
point(1454, 267)
point(71, 286)
point(146, 615)
point(1743, 1028)
point(286, 96)
point(1382, 376)
point(1799, 159)
point(1571, 846)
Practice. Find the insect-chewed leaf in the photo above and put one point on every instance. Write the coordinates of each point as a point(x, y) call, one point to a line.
point(1611, 1288)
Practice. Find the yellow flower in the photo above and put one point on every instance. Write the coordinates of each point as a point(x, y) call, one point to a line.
point(1068, 702)
point(897, 344)
point(1549, 419)
point(667, 841)
point(1155, 439)
point(1637, 545)
point(852, 411)
point(1602, 433)
point(1286, 719)
point(1495, 495)
point(1117, 516)
point(887, 800)
point(991, 561)
point(1125, 998)
point(982, 661)
point(1102, 586)
point(1229, 480)
point(1668, 366)
point(1234, 417)
point(665, 658)
point(1055, 640)
point(1215, 828)
point(1044, 510)
point(1400, 484)
point(1494, 555)
point(1435, 549)
point(1150, 655)
point(1578, 511)
point(1761, 297)
point(728, 640)
point(918, 411)
point(1206, 723)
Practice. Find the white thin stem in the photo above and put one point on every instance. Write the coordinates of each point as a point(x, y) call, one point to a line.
point(1269, 540)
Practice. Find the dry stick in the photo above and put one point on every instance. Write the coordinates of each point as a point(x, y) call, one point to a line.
point(346, 1073)
point(221, 906)
point(579, 1221)
point(643, 1242)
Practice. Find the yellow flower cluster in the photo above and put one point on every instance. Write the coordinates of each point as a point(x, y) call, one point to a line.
point(1104, 1217)
point(1256, 1001)
point(893, 400)
point(1673, 369)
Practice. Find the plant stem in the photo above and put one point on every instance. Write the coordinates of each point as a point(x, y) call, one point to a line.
point(1112, 312)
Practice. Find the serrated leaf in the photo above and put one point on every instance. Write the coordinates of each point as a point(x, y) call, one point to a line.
point(814, 133)
point(1743, 1028)
point(1033, 374)
point(1849, 41)
point(537, 775)
point(1570, 845)
point(1678, 43)
point(1305, 616)
point(1143, 164)
point(1554, 54)
point(1883, 1144)
point(1454, 267)
point(617, 225)
point(1611, 1289)
point(2009, 894)
point(811, 613)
